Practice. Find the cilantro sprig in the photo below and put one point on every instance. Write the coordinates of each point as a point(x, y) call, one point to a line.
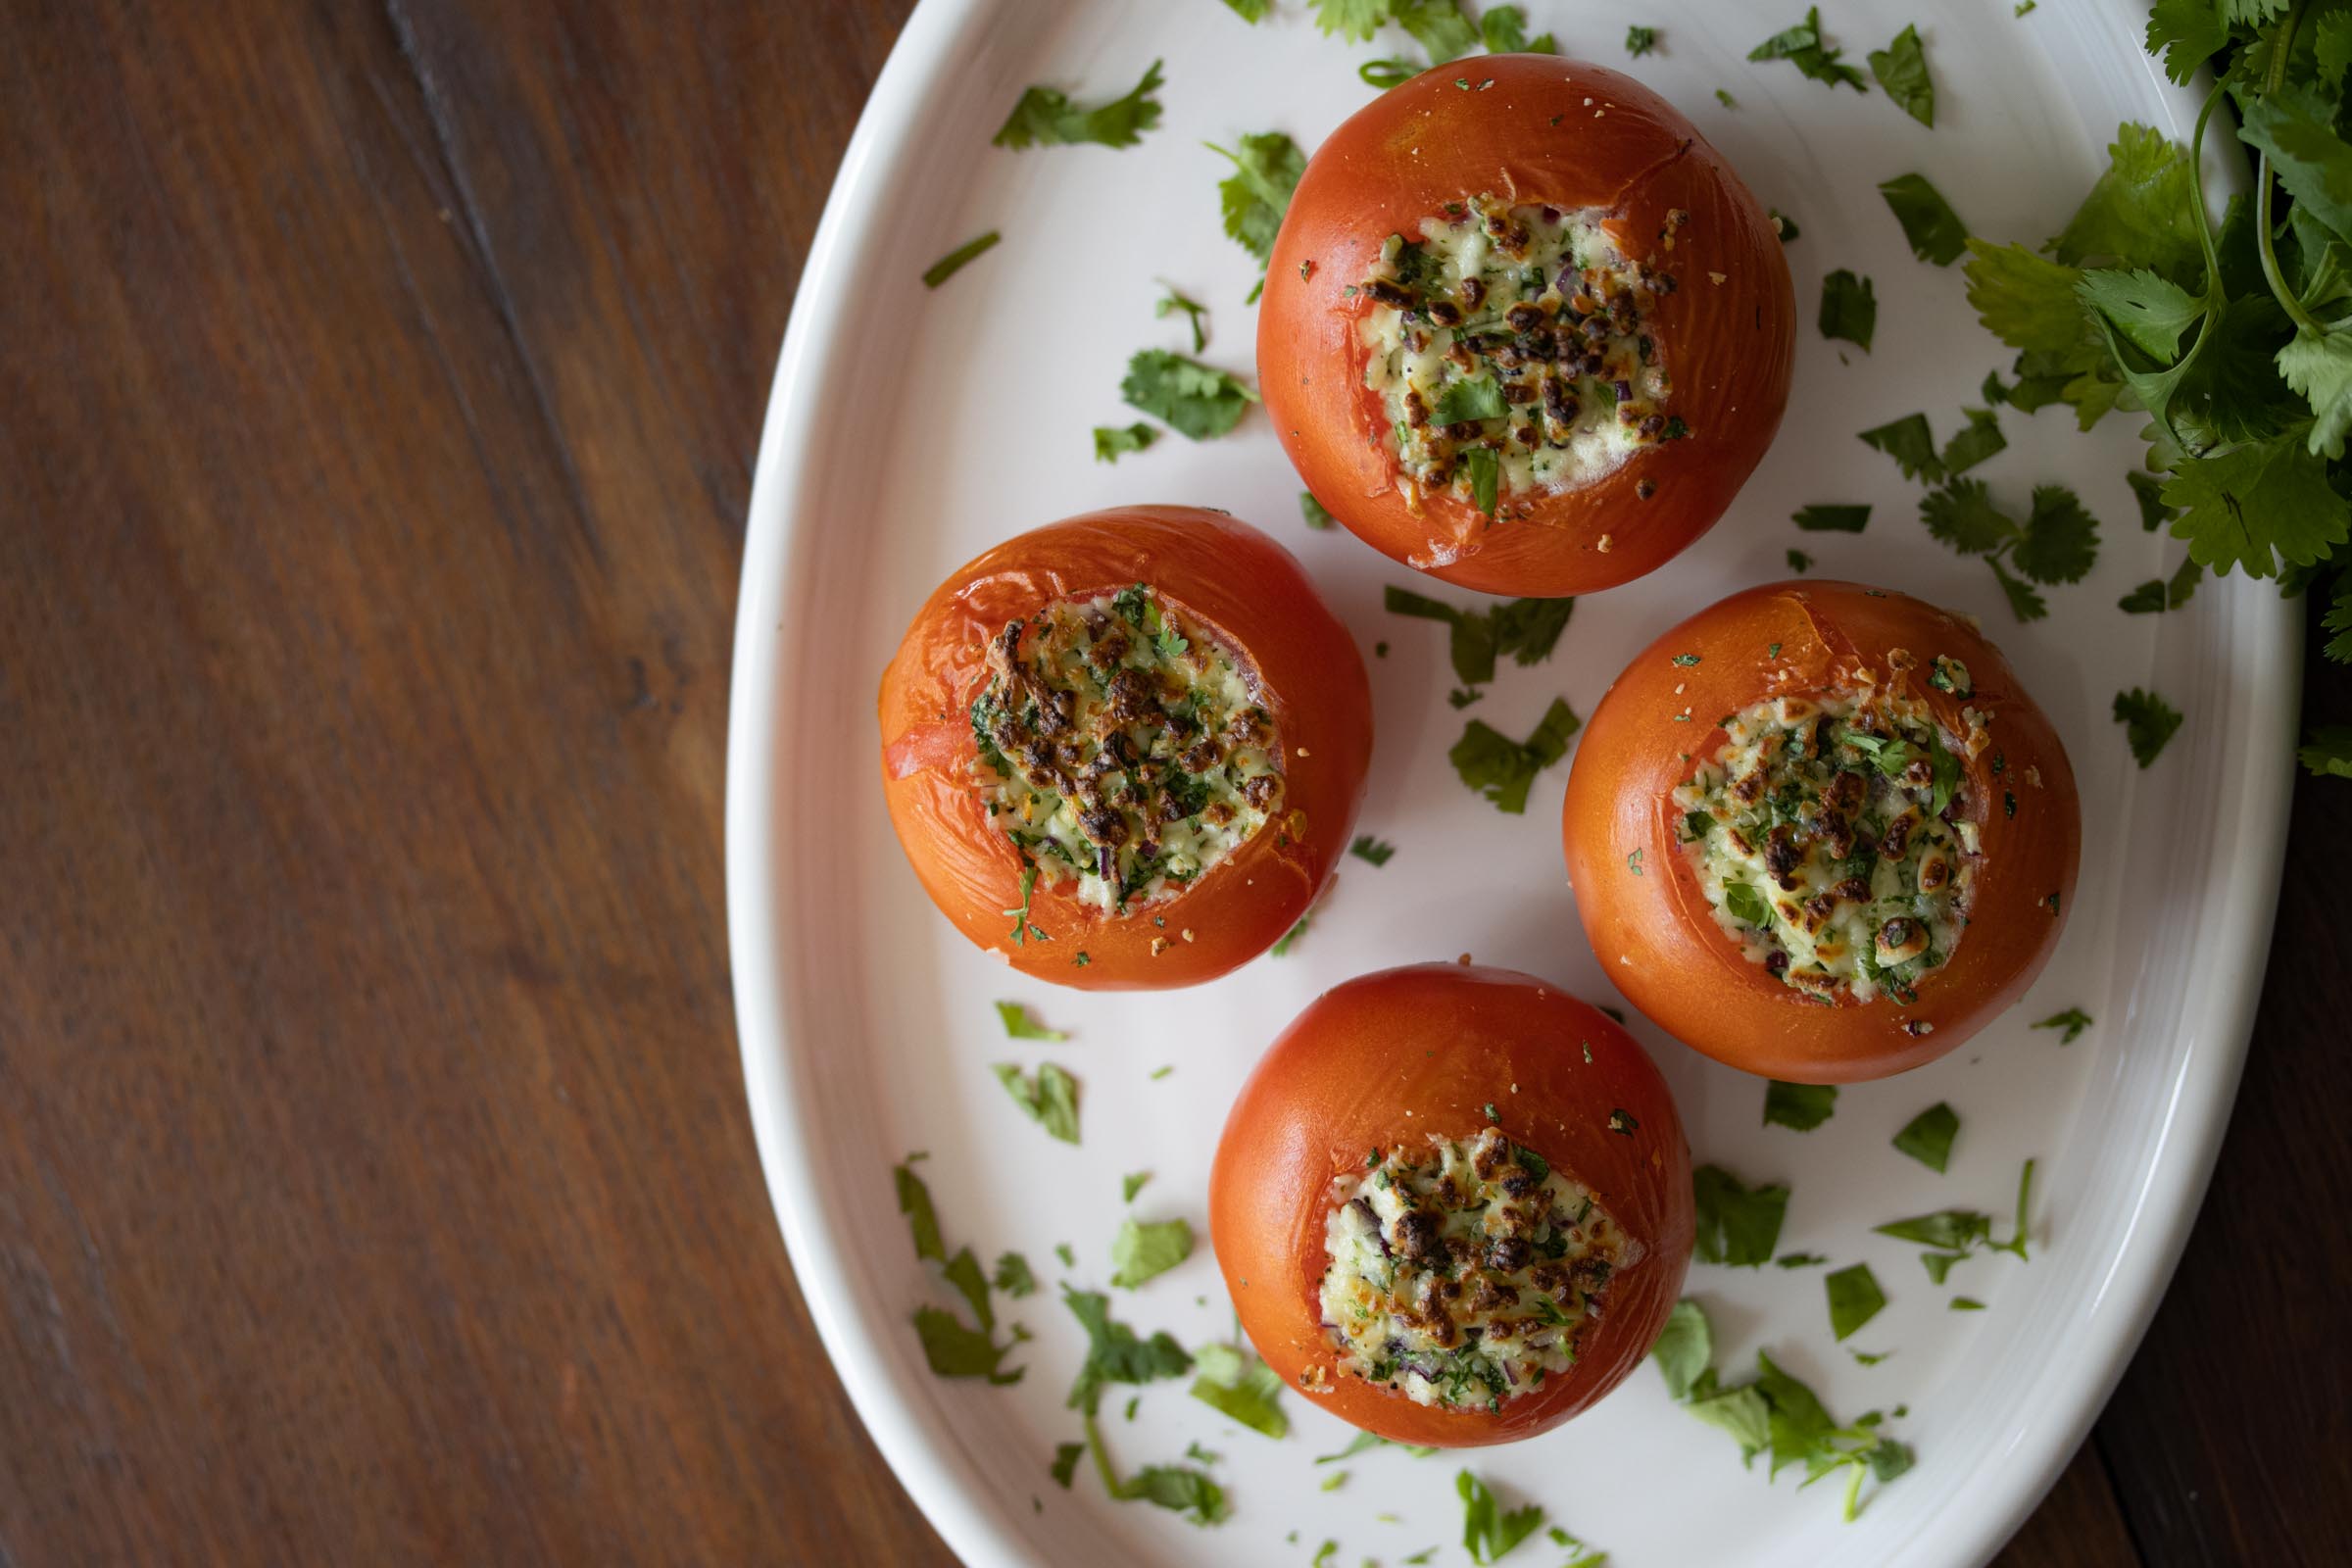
point(1045, 117)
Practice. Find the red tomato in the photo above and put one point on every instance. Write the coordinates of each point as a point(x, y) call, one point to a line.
point(1390, 1059)
point(1256, 601)
point(1650, 922)
point(1537, 131)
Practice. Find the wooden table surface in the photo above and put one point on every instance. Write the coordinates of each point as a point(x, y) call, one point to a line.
point(378, 391)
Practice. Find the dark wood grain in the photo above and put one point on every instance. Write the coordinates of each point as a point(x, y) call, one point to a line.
point(377, 396)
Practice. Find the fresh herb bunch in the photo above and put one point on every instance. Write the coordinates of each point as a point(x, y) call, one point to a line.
point(2234, 340)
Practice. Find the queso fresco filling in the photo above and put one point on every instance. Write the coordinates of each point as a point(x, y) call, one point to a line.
point(1122, 747)
point(1834, 838)
point(1510, 349)
point(1464, 1271)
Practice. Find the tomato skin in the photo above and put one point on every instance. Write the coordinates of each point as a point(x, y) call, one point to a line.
point(1535, 136)
point(1443, 1040)
point(1653, 932)
point(1215, 569)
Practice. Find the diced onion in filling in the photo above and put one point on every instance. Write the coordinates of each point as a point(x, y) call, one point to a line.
point(1836, 839)
point(1510, 349)
point(1123, 748)
point(1464, 1271)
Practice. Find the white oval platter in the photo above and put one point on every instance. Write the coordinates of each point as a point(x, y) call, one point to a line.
point(910, 429)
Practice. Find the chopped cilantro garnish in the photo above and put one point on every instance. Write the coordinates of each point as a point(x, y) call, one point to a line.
point(1504, 769)
point(1313, 511)
point(1639, 41)
point(1799, 1259)
point(1199, 400)
point(1503, 28)
point(1238, 1385)
point(1966, 1304)
point(1799, 561)
point(1825, 518)
point(1928, 1137)
point(1051, 1099)
point(2073, 1020)
point(1387, 72)
point(1045, 117)
point(1145, 1250)
point(1020, 1026)
point(922, 1219)
point(950, 265)
point(2057, 543)
point(1485, 470)
point(1013, 1275)
point(1253, 12)
point(1065, 1468)
point(1489, 1529)
point(1854, 1299)
point(1803, 1106)
point(1955, 1233)
point(953, 1350)
point(1265, 170)
point(1364, 1441)
point(1933, 229)
point(1902, 70)
point(1726, 99)
point(1736, 1225)
point(1188, 1492)
point(1131, 1184)
point(1803, 47)
point(1114, 1353)
point(1912, 445)
point(1849, 309)
point(1174, 300)
point(1114, 442)
point(2157, 595)
point(1980, 438)
point(2148, 720)
point(1368, 848)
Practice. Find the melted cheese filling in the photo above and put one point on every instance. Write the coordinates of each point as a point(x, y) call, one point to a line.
point(1123, 748)
point(1463, 1272)
point(1836, 841)
point(1508, 347)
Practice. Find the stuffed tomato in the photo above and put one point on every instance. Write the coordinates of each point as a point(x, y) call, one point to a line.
point(1452, 1205)
point(1819, 832)
point(1524, 329)
point(1124, 749)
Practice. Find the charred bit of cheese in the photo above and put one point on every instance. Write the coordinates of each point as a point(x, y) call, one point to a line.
point(1123, 748)
point(1464, 1271)
point(1836, 837)
point(1511, 347)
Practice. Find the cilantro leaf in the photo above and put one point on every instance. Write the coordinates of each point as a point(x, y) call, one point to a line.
point(1253, 12)
point(2148, 721)
point(1529, 629)
point(1065, 1468)
point(1265, 170)
point(1736, 1225)
point(1197, 400)
point(2318, 366)
point(1474, 398)
point(1114, 442)
point(2185, 31)
point(953, 262)
point(1020, 1026)
point(2061, 541)
point(953, 1350)
point(1504, 769)
point(1145, 1250)
point(1911, 444)
point(1824, 518)
point(1504, 30)
point(2151, 311)
point(1353, 19)
point(2073, 1020)
point(1849, 309)
point(1238, 1385)
point(1051, 1099)
point(1368, 848)
point(2024, 602)
point(1185, 1492)
point(2329, 751)
point(1803, 47)
point(1131, 1184)
point(1489, 1529)
point(1438, 26)
point(1364, 1441)
point(1933, 229)
point(1803, 1106)
point(2338, 621)
point(1902, 70)
point(1799, 561)
point(1962, 515)
point(2139, 210)
point(1013, 1275)
point(1313, 511)
point(1685, 1349)
point(1174, 301)
point(1928, 1137)
point(2026, 301)
point(1114, 1353)
point(2296, 126)
point(964, 1272)
point(2256, 506)
point(915, 1202)
point(1980, 438)
point(1045, 117)
point(1854, 1299)
point(1472, 646)
point(2149, 491)
point(1639, 41)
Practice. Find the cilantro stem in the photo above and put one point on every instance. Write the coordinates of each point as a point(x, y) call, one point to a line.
point(2283, 43)
point(2196, 206)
